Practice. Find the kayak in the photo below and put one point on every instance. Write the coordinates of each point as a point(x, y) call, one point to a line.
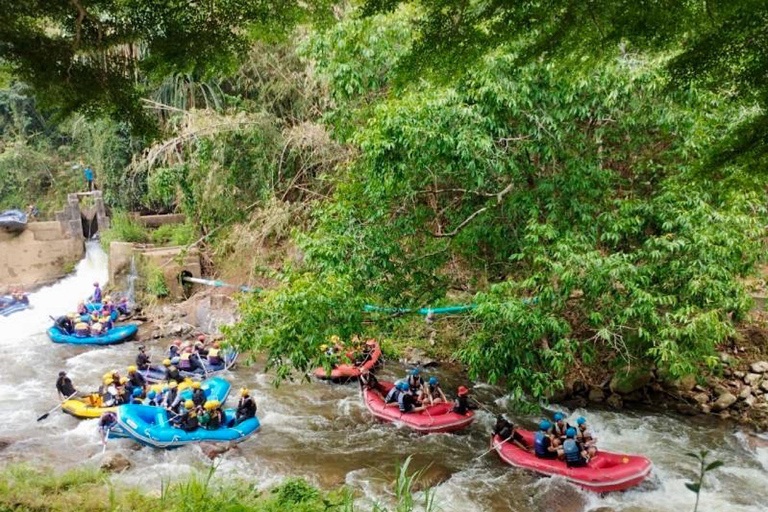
point(150, 427)
point(13, 221)
point(435, 418)
point(12, 306)
point(116, 334)
point(605, 472)
point(214, 389)
point(157, 373)
point(350, 371)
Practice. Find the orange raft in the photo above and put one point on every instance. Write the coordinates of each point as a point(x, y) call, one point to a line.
point(352, 371)
point(605, 472)
point(435, 418)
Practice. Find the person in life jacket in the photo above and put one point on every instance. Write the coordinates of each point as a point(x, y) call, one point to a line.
point(406, 401)
point(65, 324)
point(96, 297)
point(136, 379)
point(432, 392)
point(106, 322)
point(462, 404)
point(171, 372)
point(136, 396)
point(560, 427)
point(542, 442)
point(572, 451)
point(96, 329)
point(213, 417)
point(185, 361)
point(585, 437)
point(188, 420)
point(143, 361)
point(508, 433)
point(198, 395)
point(369, 381)
point(64, 386)
point(246, 407)
point(107, 421)
point(124, 391)
point(111, 396)
point(81, 308)
point(393, 396)
point(172, 398)
point(152, 399)
point(415, 382)
point(214, 355)
point(200, 346)
point(108, 305)
point(122, 306)
point(174, 349)
point(82, 329)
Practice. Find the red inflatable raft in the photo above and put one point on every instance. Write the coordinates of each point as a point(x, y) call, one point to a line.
point(350, 371)
point(435, 418)
point(605, 472)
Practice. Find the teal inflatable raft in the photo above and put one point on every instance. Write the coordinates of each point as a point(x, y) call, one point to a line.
point(116, 334)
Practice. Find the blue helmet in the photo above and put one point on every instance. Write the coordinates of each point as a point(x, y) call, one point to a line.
point(559, 416)
point(402, 386)
point(136, 392)
point(415, 371)
point(151, 394)
point(433, 381)
point(571, 432)
point(545, 425)
point(581, 420)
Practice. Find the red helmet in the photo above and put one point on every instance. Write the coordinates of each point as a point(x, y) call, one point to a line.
point(462, 391)
point(201, 337)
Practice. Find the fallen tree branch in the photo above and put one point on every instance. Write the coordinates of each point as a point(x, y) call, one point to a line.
point(465, 222)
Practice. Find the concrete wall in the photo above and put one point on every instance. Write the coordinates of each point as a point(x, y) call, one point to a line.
point(155, 221)
point(171, 260)
point(39, 255)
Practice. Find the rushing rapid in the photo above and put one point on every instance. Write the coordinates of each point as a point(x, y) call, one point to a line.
point(323, 432)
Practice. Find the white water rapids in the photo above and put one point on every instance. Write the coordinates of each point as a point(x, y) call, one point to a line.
point(322, 432)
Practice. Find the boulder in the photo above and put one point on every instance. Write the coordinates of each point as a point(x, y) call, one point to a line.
point(213, 450)
point(686, 409)
point(700, 398)
point(684, 383)
point(739, 374)
point(759, 367)
point(751, 379)
point(115, 462)
point(417, 357)
point(764, 386)
point(724, 401)
point(705, 408)
point(745, 392)
point(615, 401)
point(625, 381)
point(726, 358)
point(750, 400)
point(596, 395)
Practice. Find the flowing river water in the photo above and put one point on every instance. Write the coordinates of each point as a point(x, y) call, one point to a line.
point(323, 433)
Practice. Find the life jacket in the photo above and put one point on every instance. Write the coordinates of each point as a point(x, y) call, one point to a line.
point(172, 373)
point(96, 328)
point(184, 362)
point(403, 404)
point(540, 444)
point(415, 382)
point(572, 451)
point(82, 329)
point(214, 421)
point(213, 356)
point(392, 396)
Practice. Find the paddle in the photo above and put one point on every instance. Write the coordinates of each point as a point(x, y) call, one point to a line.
point(41, 418)
point(205, 369)
point(494, 447)
point(104, 441)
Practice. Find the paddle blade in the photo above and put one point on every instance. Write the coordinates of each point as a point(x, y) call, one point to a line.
point(41, 418)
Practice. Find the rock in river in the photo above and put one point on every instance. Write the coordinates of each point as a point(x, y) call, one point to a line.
point(115, 462)
point(723, 402)
point(759, 367)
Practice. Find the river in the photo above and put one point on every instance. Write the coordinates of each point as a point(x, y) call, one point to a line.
point(322, 432)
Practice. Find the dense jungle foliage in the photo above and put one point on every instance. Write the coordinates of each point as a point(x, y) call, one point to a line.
point(591, 176)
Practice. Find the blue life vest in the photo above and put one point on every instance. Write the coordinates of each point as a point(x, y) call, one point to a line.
point(392, 396)
point(401, 403)
point(540, 444)
point(572, 451)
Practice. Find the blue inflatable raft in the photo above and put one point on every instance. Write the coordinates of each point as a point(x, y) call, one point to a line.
point(9, 305)
point(157, 373)
point(216, 388)
point(150, 427)
point(117, 334)
point(13, 221)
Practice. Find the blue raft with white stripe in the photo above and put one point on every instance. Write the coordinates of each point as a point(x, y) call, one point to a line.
point(150, 426)
point(117, 334)
point(9, 305)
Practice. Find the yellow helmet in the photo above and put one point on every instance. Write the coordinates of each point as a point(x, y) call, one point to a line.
point(189, 404)
point(211, 405)
point(323, 347)
point(132, 369)
point(123, 380)
point(335, 339)
point(107, 298)
point(107, 381)
point(244, 391)
point(196, 385)
point(166, 362)
point(187, 381)
point(173, 384)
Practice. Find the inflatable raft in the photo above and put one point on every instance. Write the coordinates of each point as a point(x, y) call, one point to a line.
point(605, 472)
point(157, 373)
point(349, 371)
point(11, 306)
point(117, 334)
point(85, 408)
point(13, 221)
point(435, 418)
point(150, 426)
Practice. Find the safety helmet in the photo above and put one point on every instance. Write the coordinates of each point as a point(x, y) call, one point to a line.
point(96, 283)
point(132, 369)
point(196, 385)
point(173, 384)
point(335, 339)
point(244, 391)
point(462, 391)
point(402, 386)
point(151, 394)
point(136, 392)
point(166, 362)
point(189, 404)
point(107, 381)
point(559, 416)
point(582, 420)
point(177, 342)
point(415, 371)
point(433, 381)
point(201, 338)
point(123, 380)
point(142, 347)
point(323, 347)
point(211, 405)
point(62, 373)
point(545, 425)
point(175, 360)
point(216, 345)
point(571, 432)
